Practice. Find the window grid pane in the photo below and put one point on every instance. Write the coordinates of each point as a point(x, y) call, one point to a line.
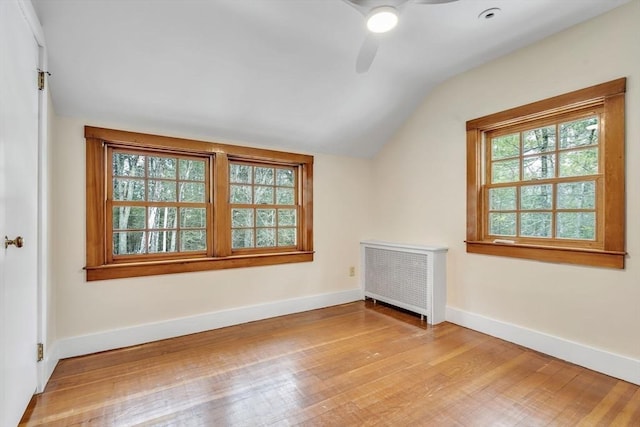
point(579, 132)
point(535, 224)
point(263, 203)
point(558, 208)
point(579, 162)
point(160, 186)
point(541, 140)
point(576, 225)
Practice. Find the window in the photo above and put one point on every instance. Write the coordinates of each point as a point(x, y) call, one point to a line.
point(263, 206)
point(546, 181)
point(541, 183)
point(158, 205)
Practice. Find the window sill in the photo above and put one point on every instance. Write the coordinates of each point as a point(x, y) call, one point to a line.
point(590, 257)
point(151, 268)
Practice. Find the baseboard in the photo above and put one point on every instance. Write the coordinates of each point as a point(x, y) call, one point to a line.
point(135, 335)
point(615, 365)
point(46, 367)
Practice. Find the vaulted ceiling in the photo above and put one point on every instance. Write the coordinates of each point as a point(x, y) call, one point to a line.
point(276, 72)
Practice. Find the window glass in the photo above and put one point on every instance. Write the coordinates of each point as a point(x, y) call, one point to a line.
point(127, 164)
point(526, 209)
point(192, 170)
point(539, 167)
point(535, 197)
point(505, 171)
point(579, 133)
point(261, 222)
point(576, 225)
point(535, 224)
point(579, 162)
point(505, 146)
point(502, 224)
point(577, 195)
point(539, 140)
point(154, 225)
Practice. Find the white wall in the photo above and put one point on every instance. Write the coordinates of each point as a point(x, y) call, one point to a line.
point(420, 183)
point(341, 194)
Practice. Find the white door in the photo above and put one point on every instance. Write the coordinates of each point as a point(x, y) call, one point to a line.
point(19, 53)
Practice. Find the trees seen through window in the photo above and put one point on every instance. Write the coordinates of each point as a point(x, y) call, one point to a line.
point(545, 181)
point(158, 205)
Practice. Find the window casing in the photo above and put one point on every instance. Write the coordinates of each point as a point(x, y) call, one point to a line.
point(546, 181)
point(159, 205)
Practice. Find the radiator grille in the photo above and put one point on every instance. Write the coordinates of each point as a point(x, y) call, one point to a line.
point(401, 276)
point(407, 276)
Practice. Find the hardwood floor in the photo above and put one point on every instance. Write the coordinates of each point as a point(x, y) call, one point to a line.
point(350, 365)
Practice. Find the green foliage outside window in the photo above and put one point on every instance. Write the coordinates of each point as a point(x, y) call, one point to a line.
point(151, 226)
point(527, 195)
point(263, 212)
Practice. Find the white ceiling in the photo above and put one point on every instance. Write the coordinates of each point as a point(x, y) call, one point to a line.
point(275, 72)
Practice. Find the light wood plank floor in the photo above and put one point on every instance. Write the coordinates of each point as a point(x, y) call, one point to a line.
point(349, 365)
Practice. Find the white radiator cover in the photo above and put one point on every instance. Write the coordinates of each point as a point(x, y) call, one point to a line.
point(408, 276)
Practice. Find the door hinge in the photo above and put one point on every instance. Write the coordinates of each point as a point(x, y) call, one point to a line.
point(41, 78)
point(40, 352)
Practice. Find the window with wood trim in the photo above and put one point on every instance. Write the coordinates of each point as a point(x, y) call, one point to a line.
point(159, 205)
point(263, 202)
point(546, 181)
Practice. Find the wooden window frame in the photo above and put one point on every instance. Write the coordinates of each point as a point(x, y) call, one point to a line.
point(100, 265)
point(610, 252)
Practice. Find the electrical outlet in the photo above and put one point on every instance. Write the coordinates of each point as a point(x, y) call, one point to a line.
point(352, 271)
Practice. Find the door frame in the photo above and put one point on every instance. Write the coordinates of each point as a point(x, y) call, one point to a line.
point(45, 310)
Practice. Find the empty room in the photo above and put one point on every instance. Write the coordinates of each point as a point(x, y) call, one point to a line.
point(320, 212)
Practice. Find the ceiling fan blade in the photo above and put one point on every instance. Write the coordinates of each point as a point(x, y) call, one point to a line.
point(365, 6)
point(370, 4)
point(433, 1)
point(363, 9)
point(366, 54)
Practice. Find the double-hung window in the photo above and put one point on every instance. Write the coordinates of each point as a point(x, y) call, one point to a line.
point(542, 182)
point(264, 208)
point(546, 180)
point(158, 205)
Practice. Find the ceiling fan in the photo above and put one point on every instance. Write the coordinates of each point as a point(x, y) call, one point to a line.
point(381, 16)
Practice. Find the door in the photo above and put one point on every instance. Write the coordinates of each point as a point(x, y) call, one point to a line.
point(19, 54)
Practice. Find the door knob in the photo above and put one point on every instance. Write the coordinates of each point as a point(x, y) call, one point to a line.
point(18, 242)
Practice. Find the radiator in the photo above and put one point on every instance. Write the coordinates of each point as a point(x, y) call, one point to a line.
point(407, 276)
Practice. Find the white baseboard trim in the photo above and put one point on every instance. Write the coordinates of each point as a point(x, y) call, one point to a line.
point(135, 335)
point(46, 367)
point(615, 365)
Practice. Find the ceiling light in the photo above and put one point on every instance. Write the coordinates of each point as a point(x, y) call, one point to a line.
point(382, 19)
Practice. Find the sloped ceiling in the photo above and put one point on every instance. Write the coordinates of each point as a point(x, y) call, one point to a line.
point(275, 72)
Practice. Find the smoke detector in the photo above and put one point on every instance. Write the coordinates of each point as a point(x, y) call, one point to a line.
point(489, 13)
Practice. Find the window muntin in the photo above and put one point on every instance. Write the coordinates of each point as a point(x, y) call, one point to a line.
point(531, 188)
point(582, 163)
point(264, 206)
point(163, 204)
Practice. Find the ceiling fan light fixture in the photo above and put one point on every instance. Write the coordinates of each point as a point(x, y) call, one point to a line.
point(382, 19)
